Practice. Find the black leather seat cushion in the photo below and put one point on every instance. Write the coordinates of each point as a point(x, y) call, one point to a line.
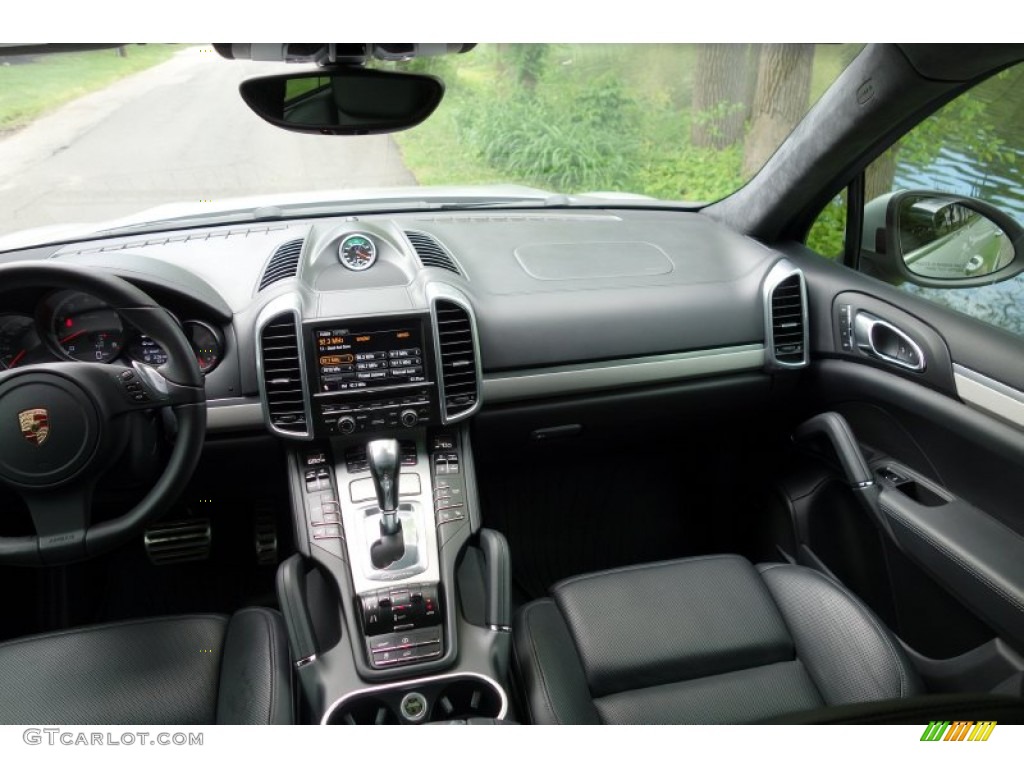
point(701, 640)
point(194, 670)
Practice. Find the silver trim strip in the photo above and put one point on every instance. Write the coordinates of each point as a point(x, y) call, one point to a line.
point(235, 414)
point(413, 684)
point(783, 270)
point(617, 374)
point(988, 395)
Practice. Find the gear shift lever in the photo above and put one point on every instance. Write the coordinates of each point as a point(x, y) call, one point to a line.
point(384, 460)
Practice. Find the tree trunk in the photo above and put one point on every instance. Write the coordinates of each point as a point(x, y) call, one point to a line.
point(780, 100)
point(880, 176)
point(719, 83)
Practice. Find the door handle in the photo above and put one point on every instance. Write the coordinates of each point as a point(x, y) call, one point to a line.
point(882, 340)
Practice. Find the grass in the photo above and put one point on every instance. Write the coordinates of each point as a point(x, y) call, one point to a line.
point(33, 86)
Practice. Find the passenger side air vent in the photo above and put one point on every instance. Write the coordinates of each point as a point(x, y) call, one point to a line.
point(431, 252)
point(786, 302)
point(283, 264)
point(459, 370)
point(283, 387)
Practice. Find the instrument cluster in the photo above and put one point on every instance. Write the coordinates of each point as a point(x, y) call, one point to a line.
point(71, 325)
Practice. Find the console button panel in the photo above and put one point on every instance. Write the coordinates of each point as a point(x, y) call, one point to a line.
point(402, 624)
point(449, 479)
point(323, 510)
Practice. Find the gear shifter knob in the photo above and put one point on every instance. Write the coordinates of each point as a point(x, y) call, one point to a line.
point(385, 464)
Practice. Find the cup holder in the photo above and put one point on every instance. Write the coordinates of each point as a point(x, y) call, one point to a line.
point(426, 700)
point(463, 699)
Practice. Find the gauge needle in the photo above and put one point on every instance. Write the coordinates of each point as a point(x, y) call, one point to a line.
point(71, 336)
point(16, 359)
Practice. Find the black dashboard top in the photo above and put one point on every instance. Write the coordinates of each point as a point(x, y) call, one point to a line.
point(547, 290)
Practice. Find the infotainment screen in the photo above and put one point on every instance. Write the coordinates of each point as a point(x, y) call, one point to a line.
point(368, 356)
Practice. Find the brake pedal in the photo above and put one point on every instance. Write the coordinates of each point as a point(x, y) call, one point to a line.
point(178, 541)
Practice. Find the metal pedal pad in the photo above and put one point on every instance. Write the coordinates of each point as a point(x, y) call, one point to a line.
point(265, 539)
point(178, 541)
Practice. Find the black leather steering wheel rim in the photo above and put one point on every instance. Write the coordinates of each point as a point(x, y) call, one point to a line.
point(94, 395)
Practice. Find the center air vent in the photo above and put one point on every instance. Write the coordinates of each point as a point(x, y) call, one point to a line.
point(283, 387)
point(787, 318)
point(283, 264)
point(459, 371)
point(431, 252)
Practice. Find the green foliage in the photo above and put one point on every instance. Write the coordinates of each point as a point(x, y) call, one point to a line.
point(828, 233)
point(566, 139)
point(590, 118)
point(691, 173)
point(528, 61)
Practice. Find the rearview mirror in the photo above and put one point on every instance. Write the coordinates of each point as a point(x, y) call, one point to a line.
point(939, 240)
point(351, 100)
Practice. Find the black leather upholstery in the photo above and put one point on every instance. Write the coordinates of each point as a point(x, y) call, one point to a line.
point(701, 640)
point(180, 670)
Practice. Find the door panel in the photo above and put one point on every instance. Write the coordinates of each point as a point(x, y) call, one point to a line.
point(961, 525)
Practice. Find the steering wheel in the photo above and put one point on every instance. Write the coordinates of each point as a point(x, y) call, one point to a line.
point(61, 425)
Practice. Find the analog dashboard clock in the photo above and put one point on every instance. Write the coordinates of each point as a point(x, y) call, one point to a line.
point(357, 252)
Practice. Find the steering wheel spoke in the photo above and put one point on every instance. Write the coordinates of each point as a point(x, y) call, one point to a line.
point(61, 518)
point(142, 386)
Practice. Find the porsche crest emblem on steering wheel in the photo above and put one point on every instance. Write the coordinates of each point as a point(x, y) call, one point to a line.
point(35, 425)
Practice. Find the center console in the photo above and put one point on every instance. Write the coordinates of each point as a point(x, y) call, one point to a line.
point(398, 600)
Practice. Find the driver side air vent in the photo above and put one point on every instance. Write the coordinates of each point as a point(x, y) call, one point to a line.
point(283, 264)
point(460, 379)
point(787, 304)
point(431, 252)
point(282, 383)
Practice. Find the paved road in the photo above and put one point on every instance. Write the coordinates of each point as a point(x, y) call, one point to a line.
point(177, 132)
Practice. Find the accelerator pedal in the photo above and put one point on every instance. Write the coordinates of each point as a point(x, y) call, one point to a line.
point(178, 541)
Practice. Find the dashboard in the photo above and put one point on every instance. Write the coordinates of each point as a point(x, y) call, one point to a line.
point(328, 326)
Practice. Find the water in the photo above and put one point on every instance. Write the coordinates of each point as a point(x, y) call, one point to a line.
point(982, 156)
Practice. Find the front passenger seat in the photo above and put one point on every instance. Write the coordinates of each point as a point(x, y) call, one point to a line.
point(178, 670)
point(702, 640)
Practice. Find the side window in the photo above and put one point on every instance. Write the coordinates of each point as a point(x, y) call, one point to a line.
point(972, 148)
point(828, 233)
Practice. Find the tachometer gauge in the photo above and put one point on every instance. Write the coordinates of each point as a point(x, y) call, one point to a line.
point(206, 343)
point(18, 340)
point(357, 252)
point(86, 329)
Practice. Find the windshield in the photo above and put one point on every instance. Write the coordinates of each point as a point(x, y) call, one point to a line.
point(101, 135)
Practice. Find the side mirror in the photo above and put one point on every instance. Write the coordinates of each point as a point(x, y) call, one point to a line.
point(344, 101)
point(939, 241)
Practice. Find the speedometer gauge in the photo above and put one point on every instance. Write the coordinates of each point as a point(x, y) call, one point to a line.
point(357, 252)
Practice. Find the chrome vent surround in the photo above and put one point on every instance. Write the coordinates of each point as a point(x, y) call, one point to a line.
point(283, 264)
point(786, 317)
point(431, 253)
point(459, 359)
point(281, 380)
